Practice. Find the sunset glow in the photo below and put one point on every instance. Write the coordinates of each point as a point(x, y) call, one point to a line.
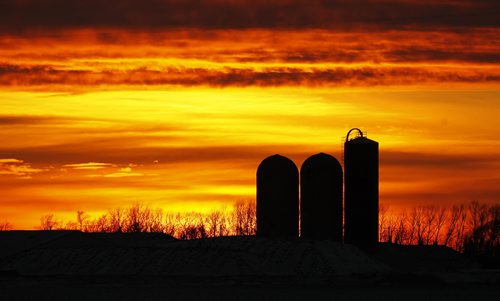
point(101, 115)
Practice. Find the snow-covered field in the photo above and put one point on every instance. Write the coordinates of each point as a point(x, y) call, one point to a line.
point(70, 265)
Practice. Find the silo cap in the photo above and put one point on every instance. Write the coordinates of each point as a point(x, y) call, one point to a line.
point(361, 140)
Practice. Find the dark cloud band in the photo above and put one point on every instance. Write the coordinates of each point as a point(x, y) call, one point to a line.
point(19, 16)
point(47, 76)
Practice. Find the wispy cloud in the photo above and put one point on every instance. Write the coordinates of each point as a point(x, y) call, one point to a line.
point(5, 161)
point(19, 168)
point(120, 173)
point(244, 77)
point(124, 172)
point(89, 165)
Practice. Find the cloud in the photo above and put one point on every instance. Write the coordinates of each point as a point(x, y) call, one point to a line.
point(422, 54)
point(88, 165)
point(86, 48)
point(20, 76)
point(118, 152)
point(121, 173)
point(79, 60)
point(19, 120)
point(124, 172)
point(6, 161)
point(16, 120)
point(443, 192)
point(19, 16)
point(438, 178)
point(19, 168)
point(427, 161)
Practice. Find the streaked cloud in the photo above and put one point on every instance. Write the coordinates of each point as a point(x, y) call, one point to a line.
point(124, 172)
point(18, 168)
point(88, 165)
point(79, 60)
point(227, 77)
point(429, 161)
point(7, 161)
point(6, 120)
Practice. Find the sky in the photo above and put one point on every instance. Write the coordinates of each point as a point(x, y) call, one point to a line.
point(173, 104)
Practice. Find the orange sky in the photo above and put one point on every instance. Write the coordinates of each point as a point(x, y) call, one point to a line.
point(105, 113)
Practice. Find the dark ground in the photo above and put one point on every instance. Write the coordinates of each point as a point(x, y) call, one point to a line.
point(70, 265)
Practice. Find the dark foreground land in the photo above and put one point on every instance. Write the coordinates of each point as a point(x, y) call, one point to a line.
point(70, 265)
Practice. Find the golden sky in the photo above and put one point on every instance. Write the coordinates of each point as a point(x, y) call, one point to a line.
point(174, 104)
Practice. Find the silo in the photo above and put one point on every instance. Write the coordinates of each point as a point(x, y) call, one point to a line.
point(277, 198)
point(361, 191)
point(321, 198)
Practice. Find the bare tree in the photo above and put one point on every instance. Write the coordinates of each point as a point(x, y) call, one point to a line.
point(183, 223)
point(81, 218)
point(169, 226)
point(420, 225)
point(100, 224)
point(478, 216)
point(48, 222)
point(193, 232)
point(414, 219)
point(400, 231)
point(244, 221)
point(383, 230)
point(138, 218)
point(71, 225)
point(5, 226)
point(390, 224)
point(216, 224)
point(495, 227)
point(451, 229)
point(224, 229)
point(116, 219)
point(441, 216)
point(429, 217)
point(482, 239)
point(156, 220)
point(190, 226)
point(459, 241)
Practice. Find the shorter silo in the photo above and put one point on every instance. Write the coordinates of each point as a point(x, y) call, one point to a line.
point(321, 198)
point(277, 198)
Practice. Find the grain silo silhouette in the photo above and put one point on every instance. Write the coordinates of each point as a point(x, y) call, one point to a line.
point(361, 190)
point(321, 198)
point(277, 198)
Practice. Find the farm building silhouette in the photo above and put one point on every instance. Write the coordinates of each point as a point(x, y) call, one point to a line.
point(323, 212)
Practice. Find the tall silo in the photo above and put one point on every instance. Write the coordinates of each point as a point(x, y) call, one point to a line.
point(361, 191)
point(321, 198)
point(277, 198)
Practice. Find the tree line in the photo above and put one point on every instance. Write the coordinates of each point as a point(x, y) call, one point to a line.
point(241, 220)
point(472, 228)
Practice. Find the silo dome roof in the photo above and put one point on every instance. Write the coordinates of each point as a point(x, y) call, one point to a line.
point(277, 162)
point(321, 160)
